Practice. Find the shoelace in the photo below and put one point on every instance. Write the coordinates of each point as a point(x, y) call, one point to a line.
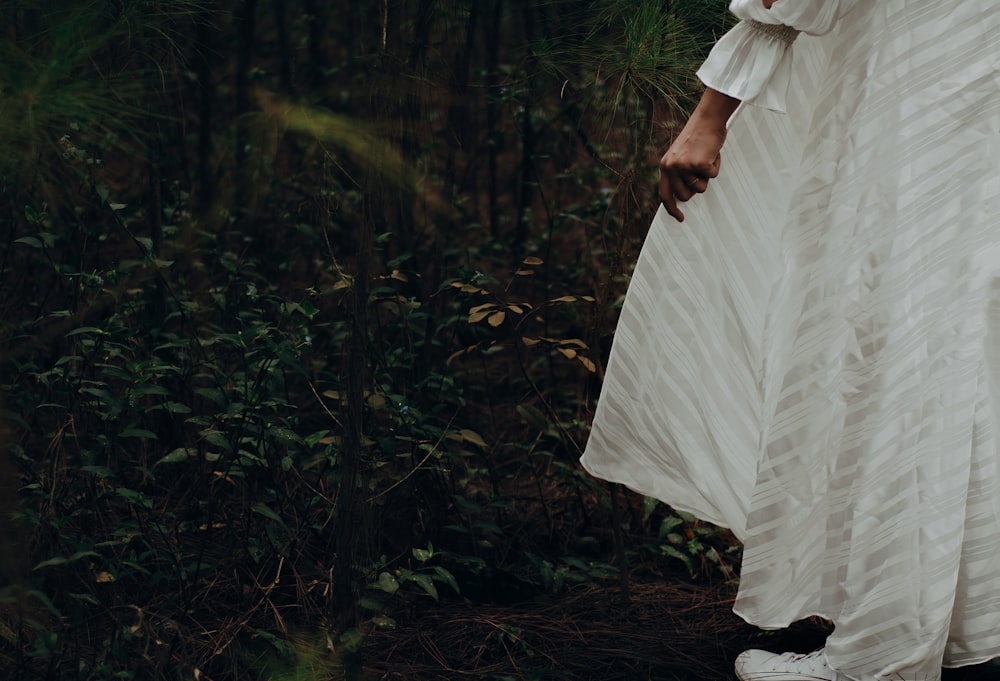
point(800, 663)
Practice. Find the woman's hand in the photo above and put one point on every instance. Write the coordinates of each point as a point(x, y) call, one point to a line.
point(694, 157)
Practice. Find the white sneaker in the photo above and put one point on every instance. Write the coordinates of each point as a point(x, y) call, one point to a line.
point(760, 665)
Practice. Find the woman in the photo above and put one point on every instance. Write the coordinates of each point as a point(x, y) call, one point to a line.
point(809, 353)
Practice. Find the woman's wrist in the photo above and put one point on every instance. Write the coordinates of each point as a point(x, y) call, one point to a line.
point(714, 109)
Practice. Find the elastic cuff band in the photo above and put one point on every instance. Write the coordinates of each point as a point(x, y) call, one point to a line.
point(785, 34)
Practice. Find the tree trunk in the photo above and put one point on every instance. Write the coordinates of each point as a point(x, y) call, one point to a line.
point(246, 28)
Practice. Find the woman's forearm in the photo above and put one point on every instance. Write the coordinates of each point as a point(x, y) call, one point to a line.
point(714, 109)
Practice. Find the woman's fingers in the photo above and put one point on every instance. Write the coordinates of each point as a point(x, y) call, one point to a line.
point(677, 187)
point(669, 199)
point(696, 184)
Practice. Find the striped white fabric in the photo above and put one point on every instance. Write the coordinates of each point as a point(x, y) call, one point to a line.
point(813, 357)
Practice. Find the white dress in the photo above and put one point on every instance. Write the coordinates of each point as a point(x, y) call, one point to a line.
point(813, 357)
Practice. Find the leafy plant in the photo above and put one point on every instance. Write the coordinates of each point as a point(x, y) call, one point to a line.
point(290, 293)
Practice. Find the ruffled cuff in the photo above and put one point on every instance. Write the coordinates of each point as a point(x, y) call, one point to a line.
point(752, 64)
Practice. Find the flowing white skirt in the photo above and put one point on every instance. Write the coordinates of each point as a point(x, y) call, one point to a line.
point(813, 357)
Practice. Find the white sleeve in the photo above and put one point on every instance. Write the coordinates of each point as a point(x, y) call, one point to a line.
point(752, 62)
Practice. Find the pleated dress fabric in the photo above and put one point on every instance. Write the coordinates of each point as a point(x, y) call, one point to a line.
point(813, 357)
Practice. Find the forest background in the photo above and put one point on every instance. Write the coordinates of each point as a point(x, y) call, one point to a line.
point(305, 308)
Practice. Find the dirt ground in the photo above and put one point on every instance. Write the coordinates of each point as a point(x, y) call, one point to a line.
point(667, 632)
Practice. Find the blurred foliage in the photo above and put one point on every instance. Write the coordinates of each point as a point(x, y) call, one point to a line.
point(305, 311)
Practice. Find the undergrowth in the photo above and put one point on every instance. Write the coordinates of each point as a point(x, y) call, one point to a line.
point(305, 316)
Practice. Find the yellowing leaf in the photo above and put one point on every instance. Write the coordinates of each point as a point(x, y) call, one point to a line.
point(523, 272)
point(532, 260)
point(477, 317)
point(518, 309)
point(569, 353)
point(376, 401)
point(530, 341)
point(473, 437)
point(587, 363)
point(455, 355)
point(480, 308)
point(496, 319)
point(564, 299)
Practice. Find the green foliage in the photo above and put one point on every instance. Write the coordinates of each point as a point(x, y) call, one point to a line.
point(700, 547)
point(314, 361)
point(646, 48)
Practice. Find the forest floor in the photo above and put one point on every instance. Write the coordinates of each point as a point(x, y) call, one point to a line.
point(667, 631)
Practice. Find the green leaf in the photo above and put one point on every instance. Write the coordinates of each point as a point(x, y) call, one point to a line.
point(387, 583)
point(384, 622)
point(426, 583)
point(178, 455)
point(446, 577)
point(533, 417)
point(217, 438)
point(667, 526)
point(104, 395)
point(352, 639)
point(674, 553)
point(86, 329)
point(267, 513)
point(134, 497)
point(649, 505)
point(213, 394)
point(58, 560)
point(285, 435)
point(44, 600)
point(313, 439)
point(370, 603)
point(61, 560)
point(98, 471)
point(29, 241)
point(140, 433)
point(149, 389)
